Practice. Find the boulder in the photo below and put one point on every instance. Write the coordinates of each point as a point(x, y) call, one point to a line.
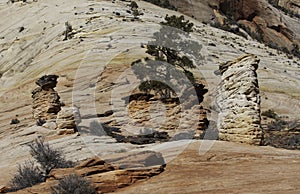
point(68, 118)
point(46, 101)
point(47, 82)
point(263, 19)
point(51, 124)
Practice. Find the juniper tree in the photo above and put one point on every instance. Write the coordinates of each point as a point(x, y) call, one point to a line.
point(172, 46)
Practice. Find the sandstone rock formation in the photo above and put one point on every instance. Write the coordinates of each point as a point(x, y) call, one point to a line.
point(227, 168)
point(46, 102)
point(40, 49)
point(161, 120)
point(67, 120)
point(136, 159)
point(291, 5)
point(261, 19)
point(258, 17)
point(106, 177)
point(239, 101)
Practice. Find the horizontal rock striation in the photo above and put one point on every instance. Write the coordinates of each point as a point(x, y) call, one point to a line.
point(239, 101)
point(258, 17)
point(67, 120)
point(106, 177)
point(291, 5)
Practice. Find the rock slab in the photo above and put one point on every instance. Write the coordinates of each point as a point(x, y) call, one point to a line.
point(106, 177)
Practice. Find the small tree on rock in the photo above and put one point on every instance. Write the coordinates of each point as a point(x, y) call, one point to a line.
point(171, 45)
point(133, 5)
point(178, 22)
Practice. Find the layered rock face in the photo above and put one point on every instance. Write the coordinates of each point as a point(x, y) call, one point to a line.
point(258, 17)
point(47, 107)
point(291, 5)
point(261, 19)
point(121, 171)
point(159, 121)
point(46, 102)
point(239, 101)
point(67, 120)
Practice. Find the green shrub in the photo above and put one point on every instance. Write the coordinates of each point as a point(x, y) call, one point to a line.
point(73, 184)
point(158, 87)
point(14, 121)
point(40, 122)
point(173, 47)
point(178, 22)
point(133, 5)
point(278, 125)
point(68, 32)
point(135, 13)
point(270, 114)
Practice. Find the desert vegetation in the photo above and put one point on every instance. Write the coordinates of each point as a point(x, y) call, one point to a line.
point(68, 32)
point(173, 52)
point(280, 132)
point(27, 175)
point(47, 158)
point(162, 3)
point(73, 184)
point(134, 10)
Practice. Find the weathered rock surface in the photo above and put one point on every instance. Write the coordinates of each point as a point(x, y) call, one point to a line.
point(47, 82)
point(266, 20)
point(162, 117)
point(135, 159)
point(239, 101)
point(258, 16)
point(46, 103)
point(292, 5)
point(39, 49)
point(68, 119)
point(106, 177)
point(226, 168)
point(50, 124)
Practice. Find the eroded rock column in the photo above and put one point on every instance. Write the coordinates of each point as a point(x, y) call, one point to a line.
point(238, 100)
point(46, 103)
